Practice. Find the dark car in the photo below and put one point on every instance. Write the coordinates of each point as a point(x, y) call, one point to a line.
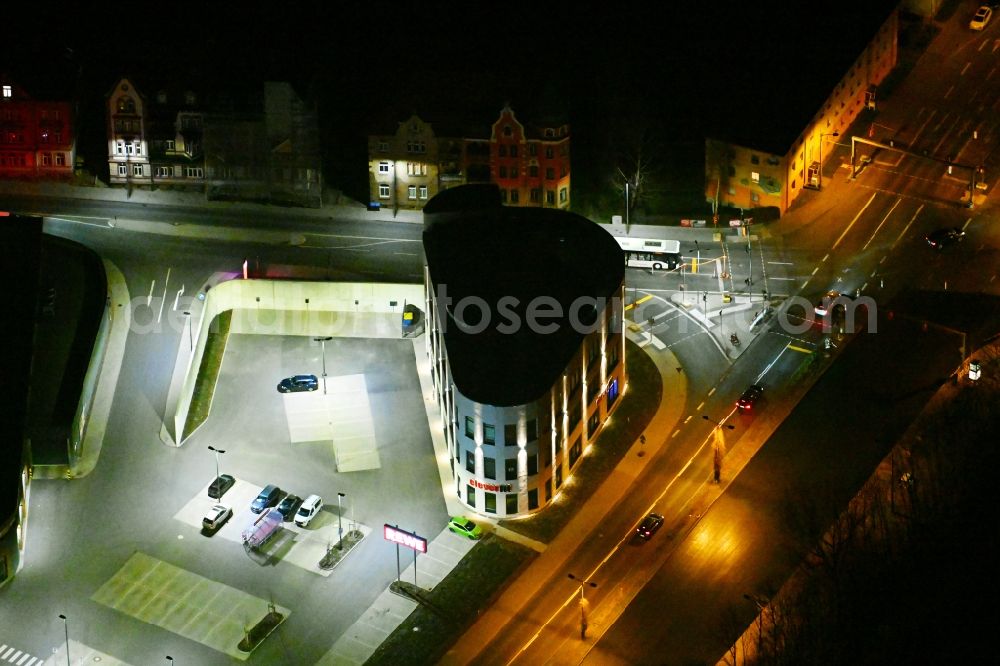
point(649, 525)
point(941, 238)
point(268, 497)
point(220, 485)
point(298, 383)
point(289, 506)
point(749, 398)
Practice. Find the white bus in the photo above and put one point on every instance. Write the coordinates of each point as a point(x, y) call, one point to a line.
point(650, 253)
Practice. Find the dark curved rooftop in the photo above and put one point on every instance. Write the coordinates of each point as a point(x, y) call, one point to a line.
point(476, 247)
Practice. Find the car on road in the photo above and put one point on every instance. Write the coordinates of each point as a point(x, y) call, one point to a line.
point(749, 398)
point(465, 527)
point(216, 517)
point(826, 303)
point(942, 238)
point(308, 510)
point(220, 485)
point(298, 383)
point(981, 18)
point(268, 497)
point(288, 506)
point(649, 525)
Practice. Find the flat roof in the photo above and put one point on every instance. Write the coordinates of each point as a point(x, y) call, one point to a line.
point(507, 258)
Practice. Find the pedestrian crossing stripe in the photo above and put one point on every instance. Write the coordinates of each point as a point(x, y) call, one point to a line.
point(15, 656)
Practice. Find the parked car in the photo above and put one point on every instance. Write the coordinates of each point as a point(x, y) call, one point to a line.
point(220, 485)
point(298, 383)
point(749, 398)
point(981, 18)
point(941, 238)
point(268, 497)
point(216, 517)
point(308, 510)
point(649, 525)
point(288, 506)
point(465, 527)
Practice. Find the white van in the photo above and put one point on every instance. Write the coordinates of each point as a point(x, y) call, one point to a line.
point(308, 510)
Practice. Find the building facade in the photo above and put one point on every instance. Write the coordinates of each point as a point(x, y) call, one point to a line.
point(36, 136)
point(262, 148)
point(742, 176)
point(521, 408)
point(529, 164)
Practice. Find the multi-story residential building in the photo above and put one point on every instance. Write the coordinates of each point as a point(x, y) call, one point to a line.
point(36, 137)
point(261, 148)
point(529, 164)
point(771, 168)
point(521, 399)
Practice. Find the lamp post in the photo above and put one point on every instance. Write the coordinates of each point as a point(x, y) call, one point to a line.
point(340, 528)
point(819, 185)
point(217, 452)
point(584, 604)
point(170, 659)
point(190, 334)
point(718, 450)
point(66, 631)
point(322, 342)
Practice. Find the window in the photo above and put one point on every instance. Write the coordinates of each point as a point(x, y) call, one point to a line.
point(507, 131)
point(122, 170)
point(502, 150)
point(511, 500)
point(130, 148)
point(470, 427)
point(550, 174)
point(574, 452)
point(533, 464)
point(416, 146)
point(732, 171)
point(411, 192)
point(514, 196)
point(194, 172)
point(533, 171)
point(119, 147)
point(558, 477)
point(754, 159)
point(563, 195)
point(550, 197)
point(470, 462)
point(536, 195)
point(489, 467)
point(533, 498)
point(7, 92)
point(510, 434)
point(774, 161)
point(548, 152)
point(161, 96)
point(491, 502)
point(532, 149)
point(383, 146)
point(423, 191)
point(164, 171)
point(136, 169)
point(510, 469)
point(593, 422)
point(513, 172)
point(755, 176)
point(170, 144)
point(513, 151)
point(189, 98)
point(503, 196)
point(470, 496)
point(46, 159)
point(44, 136)
point(383, 191)
point(503, 171)
point(126, 105)
point(489, 433)
point(416, 169)
point(383, 167)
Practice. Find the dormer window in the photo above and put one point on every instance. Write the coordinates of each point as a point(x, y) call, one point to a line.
point(189, 98)
point(126, 105)
point(8, 92)
point(161, 97)
point(507, 131)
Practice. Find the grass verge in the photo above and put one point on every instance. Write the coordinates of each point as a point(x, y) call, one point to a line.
point(453, 605)
point(208, 372)
point(645, 389)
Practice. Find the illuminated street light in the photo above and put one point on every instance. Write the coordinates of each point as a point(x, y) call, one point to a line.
point(66, 630)
point(340, 528)
point(190, 334)
point(323, 342)
point(718, 447)
point(584, 604)
point(217, 452)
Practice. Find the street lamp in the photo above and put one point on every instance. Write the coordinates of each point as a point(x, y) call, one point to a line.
point(170, 659)
point(819, 183)
point(340, 528)
point(190, 334)
point(217, 452)
point(584, 604)
point(66, 630)
point(717, 448)
point(322, 342)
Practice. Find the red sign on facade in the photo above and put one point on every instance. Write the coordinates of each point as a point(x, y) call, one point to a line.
point(404, 538)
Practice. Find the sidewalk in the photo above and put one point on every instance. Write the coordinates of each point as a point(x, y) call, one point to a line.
point(520, 590)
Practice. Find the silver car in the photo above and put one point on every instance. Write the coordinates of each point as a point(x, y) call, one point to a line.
point(216, 517)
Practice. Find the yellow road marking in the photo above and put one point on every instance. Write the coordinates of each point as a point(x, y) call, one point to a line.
point(800, 349)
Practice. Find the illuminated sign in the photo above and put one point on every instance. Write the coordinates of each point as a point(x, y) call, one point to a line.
point(404, 538)
point(491, 487)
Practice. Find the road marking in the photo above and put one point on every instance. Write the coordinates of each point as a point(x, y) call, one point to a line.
point(643, 299)
point(688, 418)
point(964, 226)
point(700, 405)
point(947, 94)
point(817, 268)
point(407, 254)
point(676, 432)
point(149, 296)
point(781, 278)
point(863, 208)
point(965, 69)
point(799, 349)
point(164, 299)
point(781, 263)
point(875, 233)
point(712, 391)
point(180, 292)
point(905, 229)
point(825, 257)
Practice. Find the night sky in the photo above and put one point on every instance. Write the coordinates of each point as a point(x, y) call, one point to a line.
point(681, 69)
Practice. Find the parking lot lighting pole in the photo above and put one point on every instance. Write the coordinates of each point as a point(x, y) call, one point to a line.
point(66, 631)
point(217, 452)
point(190, 334)
point(340, 528)
point(322, 342)
point(584, 604)
point(170, 659)
point(717, 451)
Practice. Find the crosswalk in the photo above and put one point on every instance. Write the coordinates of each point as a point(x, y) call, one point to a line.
point(10, 655)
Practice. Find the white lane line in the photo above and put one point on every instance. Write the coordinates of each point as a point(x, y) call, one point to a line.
point(700, 405)
point(825, 257)
point(905, 229)
point(863, 208)
point(781, 263)
point(177, 298)
point(687, 419)
point(770, 365)
point(712, 391)
point(164, 299)
point(948, 94)
point(875, 233)
point(676, 432)
point(149, 296)
point(965, 69)
point(781, 278)
point(967, 222)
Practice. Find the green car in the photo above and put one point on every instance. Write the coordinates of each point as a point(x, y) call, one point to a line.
point(465, 527)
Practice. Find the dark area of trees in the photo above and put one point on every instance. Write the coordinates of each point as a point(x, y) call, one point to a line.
point(905, 575)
